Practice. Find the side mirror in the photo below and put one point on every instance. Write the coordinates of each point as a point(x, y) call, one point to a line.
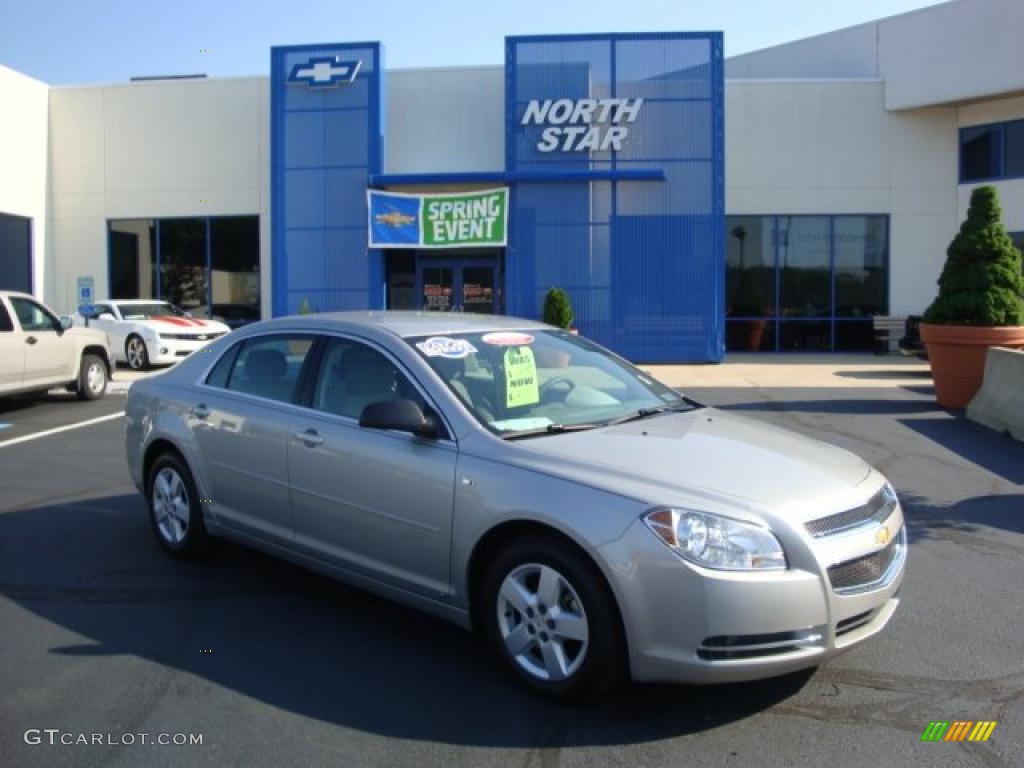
point(65, 322)
point(401, 415)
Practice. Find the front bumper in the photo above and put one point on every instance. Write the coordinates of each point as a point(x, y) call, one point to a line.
point(690, 624)
point(165, 351)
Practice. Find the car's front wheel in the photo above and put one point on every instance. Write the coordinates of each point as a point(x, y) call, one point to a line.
point(92, 378)
point(135, 353)
point(552, 618)
point(174, 507)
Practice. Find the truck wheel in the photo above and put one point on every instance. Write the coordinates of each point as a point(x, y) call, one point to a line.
point(92, 378)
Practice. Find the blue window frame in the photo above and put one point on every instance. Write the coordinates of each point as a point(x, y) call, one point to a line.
point(992, 151)
point(807, 283)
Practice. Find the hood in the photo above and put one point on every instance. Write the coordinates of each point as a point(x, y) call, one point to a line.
point(93, 335)
point(183, 325)
point(704, 454)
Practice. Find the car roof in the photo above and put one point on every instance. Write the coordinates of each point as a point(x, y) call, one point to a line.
point(409, 323)
point(132, 301)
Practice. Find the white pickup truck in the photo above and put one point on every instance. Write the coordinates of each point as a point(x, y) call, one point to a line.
point(39, 351)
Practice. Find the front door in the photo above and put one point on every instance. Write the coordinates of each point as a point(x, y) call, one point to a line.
point(458, 286)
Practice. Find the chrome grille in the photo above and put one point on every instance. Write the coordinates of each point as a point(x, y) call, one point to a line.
point(864, 573)
point(877, 509)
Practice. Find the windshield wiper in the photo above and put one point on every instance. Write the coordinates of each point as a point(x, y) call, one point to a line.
point(642, 413)
point(550, 429)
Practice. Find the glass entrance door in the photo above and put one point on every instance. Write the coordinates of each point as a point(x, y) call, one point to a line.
point(458, 286)
point(437, 288)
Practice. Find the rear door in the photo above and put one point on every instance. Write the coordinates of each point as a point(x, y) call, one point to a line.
point(377, 502)
point(12, 350)
point(50, 354)
point(241, 418)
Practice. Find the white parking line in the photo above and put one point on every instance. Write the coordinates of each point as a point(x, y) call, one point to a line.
point(55, 430)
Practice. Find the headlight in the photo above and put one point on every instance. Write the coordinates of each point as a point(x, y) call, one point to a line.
point(717, 542)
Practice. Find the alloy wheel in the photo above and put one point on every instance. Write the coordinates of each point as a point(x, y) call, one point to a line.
point(95, 378)
point(136, 353)
point(542, 622)
point(170, 506)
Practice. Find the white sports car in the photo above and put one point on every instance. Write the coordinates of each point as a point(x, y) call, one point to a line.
point(145, 332)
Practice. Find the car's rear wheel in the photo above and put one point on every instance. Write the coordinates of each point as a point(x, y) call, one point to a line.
point(553, 619)
point(135, 353)
point(174, 508)
point(92, 378)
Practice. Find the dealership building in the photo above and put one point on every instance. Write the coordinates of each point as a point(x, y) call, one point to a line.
point(689, 204)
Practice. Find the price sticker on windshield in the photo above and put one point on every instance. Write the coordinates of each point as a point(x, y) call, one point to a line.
point(520, 378)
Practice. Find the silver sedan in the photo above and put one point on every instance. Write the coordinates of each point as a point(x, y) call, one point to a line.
point(590, 522)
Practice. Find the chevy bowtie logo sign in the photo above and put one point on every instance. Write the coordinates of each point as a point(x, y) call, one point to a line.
point(324, 72)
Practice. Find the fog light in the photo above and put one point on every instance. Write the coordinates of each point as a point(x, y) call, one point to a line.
point(163, 350)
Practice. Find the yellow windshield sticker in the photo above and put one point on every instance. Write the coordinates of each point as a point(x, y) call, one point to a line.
point(520, 378)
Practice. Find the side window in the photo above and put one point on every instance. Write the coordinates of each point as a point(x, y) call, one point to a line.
point(218, 376)
point(6, 324)
point(32, 316)
point(353, 375)
point(269, 366)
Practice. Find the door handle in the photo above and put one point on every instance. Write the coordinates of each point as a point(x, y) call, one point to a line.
point(201, 412)
point(31, 340)
point(310, 437)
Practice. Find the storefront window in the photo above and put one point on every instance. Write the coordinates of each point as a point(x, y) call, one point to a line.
point(861, 265)
point(830, 274)
point(209, 267)
point(133, 259)
point(184, 280)
point(235, 269)
point(804, 266)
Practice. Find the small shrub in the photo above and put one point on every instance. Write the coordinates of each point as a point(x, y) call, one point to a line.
point(558, 308)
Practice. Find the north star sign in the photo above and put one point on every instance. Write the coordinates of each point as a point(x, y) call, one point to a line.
point(583, 125)
point(324, 72)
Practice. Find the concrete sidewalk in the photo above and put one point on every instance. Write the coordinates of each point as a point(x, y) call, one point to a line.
point(798, 370)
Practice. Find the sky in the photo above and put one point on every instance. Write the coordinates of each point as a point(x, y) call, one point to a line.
point(87, 41)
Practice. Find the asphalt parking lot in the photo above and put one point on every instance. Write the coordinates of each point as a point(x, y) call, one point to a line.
point(101, 633)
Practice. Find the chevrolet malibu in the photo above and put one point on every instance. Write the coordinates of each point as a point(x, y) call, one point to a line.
point(590, 522)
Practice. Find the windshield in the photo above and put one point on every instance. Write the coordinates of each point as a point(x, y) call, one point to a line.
point(519, 383)
point(146, 311)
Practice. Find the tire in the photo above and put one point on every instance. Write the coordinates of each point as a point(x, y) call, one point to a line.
point(572, 650)
point(135, 353)
point(92, 378)
point(174, 508)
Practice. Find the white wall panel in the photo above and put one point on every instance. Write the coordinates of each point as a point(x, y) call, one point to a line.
point(23, 152)
point(443, 120)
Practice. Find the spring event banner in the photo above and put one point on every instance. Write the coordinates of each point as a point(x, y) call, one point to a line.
point(438, 221)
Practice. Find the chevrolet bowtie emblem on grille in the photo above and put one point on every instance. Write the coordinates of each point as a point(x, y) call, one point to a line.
point(882, 535)
point(324, 72)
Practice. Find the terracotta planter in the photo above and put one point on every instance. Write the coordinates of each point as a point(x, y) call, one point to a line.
point(957, 356)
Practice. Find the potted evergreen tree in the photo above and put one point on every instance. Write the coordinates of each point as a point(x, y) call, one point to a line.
point(980, 302)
